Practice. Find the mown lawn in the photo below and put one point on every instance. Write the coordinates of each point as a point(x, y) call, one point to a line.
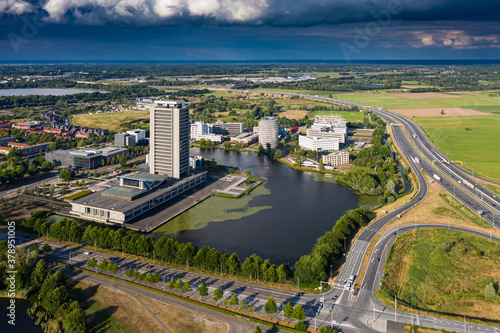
point(478, 147)
point(444, 271)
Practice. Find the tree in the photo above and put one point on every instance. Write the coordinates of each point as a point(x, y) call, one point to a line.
point(74, 321)
point(46, 248)
point(186, 287)
point(203, 290)
point(298, 312)
point(257, 329)
point(234, 300)
point(271, 307)
point(242, 305)
point(277, 154)
point(227, 144)
point(489, 292)
point(218, 294)
point(39, 274)
point(54, 299)
point(281, 272)
point(288, 311)
point(81, 143)
point(237, 145)
point(66, 174)
point(320, 165)
point(442, 111)
point(391, 186)
point(171, 283)
point(301, 326)
point(91, 262)
point(327, 329)
point(178, 284)
point(298, 161)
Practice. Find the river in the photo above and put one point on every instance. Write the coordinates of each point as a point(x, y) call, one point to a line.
point(45, 91)
point(280, 220)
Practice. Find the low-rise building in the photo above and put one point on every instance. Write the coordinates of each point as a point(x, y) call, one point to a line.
point(196, 162)
point(318, 144)
point(82, 135)
point(125, 140)
point(326, 134)
point(139, 134)
point(245, 139)
point(228, 129)
point(84, 159)
point(133, 197)
point(337, 158)
point(25, 148)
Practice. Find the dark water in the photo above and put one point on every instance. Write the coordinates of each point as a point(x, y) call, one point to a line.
point(44, 91)
point(23, 322)
point(303, 209)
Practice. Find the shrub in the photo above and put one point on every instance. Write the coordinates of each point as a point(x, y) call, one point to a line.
point(301, 326)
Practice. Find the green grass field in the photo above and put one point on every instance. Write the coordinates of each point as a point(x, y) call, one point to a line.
point(477, 147)
point(443, 270)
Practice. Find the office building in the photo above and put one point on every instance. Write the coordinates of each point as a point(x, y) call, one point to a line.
point(269, 132)
point(337, 158)
point(318, 144)
point(125, 140)
point(326, 134)
point(196, 162)
point(140, 135)
point(169, 135)
point(228, 129)
point(201, 130)
point(134, 196)
point(84, 159)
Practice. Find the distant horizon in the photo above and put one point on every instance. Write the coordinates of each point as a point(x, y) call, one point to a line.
point(333, 61)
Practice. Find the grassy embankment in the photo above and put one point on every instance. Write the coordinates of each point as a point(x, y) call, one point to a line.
point(108, 310)
point(114, 121)
point(443, 272)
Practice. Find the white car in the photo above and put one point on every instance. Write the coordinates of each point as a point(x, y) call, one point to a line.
point(349, 282)
point(86, 252)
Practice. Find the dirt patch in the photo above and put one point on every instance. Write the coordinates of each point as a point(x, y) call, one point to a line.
point(294, 114)
point(436, 112)
point(426, 95)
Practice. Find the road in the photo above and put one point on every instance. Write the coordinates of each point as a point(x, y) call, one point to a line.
point(335, 307)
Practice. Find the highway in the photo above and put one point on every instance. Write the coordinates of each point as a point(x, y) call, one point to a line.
point(337, 307)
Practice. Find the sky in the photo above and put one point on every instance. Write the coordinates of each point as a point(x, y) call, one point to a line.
point(340, 30)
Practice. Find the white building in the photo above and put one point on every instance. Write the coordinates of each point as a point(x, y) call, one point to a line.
point(318, 144)
point(326, 134)
point(268, 132)
point(138, 133)
point(337, 158)
point(201, 130)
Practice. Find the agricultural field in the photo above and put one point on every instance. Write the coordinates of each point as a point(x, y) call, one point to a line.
point(473, 140)
point(445, 271)
point(114, 121)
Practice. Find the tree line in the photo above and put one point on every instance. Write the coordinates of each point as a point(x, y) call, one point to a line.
point(309, 269)
point(54, 309)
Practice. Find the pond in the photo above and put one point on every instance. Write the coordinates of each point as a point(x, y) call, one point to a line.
point(280, 220)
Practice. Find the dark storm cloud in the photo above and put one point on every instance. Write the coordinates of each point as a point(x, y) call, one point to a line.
point(250, 12)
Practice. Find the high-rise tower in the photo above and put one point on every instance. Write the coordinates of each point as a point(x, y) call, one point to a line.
point(169, 139)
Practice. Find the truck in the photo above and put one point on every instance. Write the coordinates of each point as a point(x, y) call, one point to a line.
point(436, 177)
point(416, 159)
point(468, 184)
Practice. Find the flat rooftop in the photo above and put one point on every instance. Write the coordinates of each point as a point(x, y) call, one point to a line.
point(97, 200)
